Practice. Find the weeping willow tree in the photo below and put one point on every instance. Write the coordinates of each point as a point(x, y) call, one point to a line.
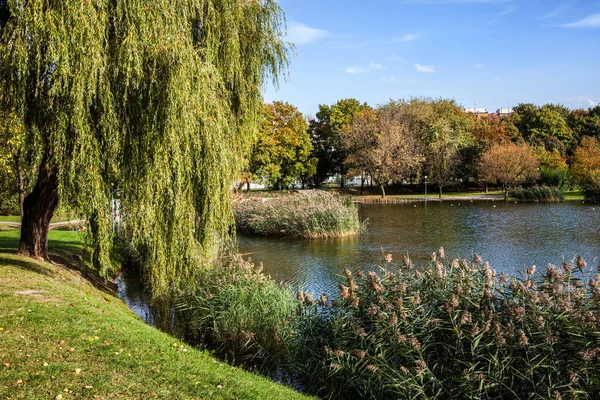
point(154, 100)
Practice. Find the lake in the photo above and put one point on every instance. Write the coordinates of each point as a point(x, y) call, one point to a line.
point(510, 236)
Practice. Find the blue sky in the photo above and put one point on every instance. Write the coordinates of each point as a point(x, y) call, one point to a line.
point(489, 53)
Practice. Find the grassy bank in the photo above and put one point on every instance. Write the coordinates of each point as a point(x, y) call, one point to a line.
point(306, 214)
point(60, 337)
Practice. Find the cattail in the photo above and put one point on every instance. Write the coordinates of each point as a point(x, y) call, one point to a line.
point(581, 262)
point(300, 296)
point(416, 299)
point(345, 291)
point(439, 270)
point(335, 365)
point(308, 299)
point(405, 370)
point(372, 368)
point(455, 264)
point(394, 319)
point(466, 318)
point(347, 273)
point(441, 253)
point(388, 258)
point(339, 353)
point(421, 365)
point(523, 341)
point(531, 270)
point(373, 309)
point(414, 342)
point(360, 354)
point(433, 257)
point(323, 300)
point(477, 259)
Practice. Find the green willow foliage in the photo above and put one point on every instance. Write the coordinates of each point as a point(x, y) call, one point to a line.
point(156, 98)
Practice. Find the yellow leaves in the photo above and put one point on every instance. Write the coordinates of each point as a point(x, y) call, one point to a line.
point(77, 371)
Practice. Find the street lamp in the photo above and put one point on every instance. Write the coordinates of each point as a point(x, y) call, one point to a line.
point(425, 189)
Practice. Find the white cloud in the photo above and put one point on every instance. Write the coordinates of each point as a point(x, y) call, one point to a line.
point(396, 58)
point(557, 11)
point(478, 66)
point(301, 34)
point(589, 22)
point(427, 69)
point(591, 101)
point(409, 37)
point(355, 70)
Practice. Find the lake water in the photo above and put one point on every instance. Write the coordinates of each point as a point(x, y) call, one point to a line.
point(510, 236)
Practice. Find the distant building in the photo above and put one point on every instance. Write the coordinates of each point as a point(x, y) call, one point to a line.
point(504, 112)
point(479, 112)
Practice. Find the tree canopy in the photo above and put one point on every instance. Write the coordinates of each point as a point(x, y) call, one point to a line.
point(282, 153)
point(154, 99)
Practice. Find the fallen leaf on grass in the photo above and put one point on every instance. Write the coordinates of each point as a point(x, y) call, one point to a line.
point(77, 371)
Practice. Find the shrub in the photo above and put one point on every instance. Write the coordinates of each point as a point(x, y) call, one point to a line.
point(538, 194)
point(454, 330)
point(306, 214)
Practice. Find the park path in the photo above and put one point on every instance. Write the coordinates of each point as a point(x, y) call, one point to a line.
point(53, 225)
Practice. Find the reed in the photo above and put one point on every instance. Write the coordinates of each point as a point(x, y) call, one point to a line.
point(455, 329)
point(307, 214)
point(538, 194)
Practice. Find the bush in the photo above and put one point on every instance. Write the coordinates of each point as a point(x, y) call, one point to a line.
point(242, 314)
point(454, 330)
point(538, 194)
point(306, 214)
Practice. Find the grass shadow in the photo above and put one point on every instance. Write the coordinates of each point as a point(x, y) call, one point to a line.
point(27, 265)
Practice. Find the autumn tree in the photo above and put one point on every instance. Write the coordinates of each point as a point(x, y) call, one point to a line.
point(545, 126)
point(380, 146)
point(156, 98)
point(585, 166)
point(509, 164)
point(326, 137)
point(447, 135)
point(282, 153)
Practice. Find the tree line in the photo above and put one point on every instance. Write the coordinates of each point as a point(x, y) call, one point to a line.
point(420, 139)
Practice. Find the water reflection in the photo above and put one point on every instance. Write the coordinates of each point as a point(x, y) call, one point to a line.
point(510, 236)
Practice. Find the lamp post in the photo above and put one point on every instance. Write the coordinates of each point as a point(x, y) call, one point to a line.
point(425, 189)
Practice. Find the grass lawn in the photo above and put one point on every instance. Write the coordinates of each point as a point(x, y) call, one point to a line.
point(574, 195)
point(60, 337)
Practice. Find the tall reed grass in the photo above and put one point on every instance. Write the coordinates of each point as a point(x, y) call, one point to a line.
point(305, 214)
point(455, 329)
point(538, 194)
point(450, 329)
point(240, 313)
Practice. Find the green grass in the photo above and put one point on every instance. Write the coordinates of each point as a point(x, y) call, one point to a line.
point(59, 335)
point(574, 195)
point(10, 218)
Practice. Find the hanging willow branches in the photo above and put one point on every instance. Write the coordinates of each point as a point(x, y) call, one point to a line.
point(157, 99)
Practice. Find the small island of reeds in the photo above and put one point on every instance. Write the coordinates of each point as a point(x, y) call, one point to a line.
point(307, 214)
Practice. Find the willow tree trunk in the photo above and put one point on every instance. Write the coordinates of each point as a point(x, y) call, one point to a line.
point(440, 191)
point(38, 209)
point(382, 191)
